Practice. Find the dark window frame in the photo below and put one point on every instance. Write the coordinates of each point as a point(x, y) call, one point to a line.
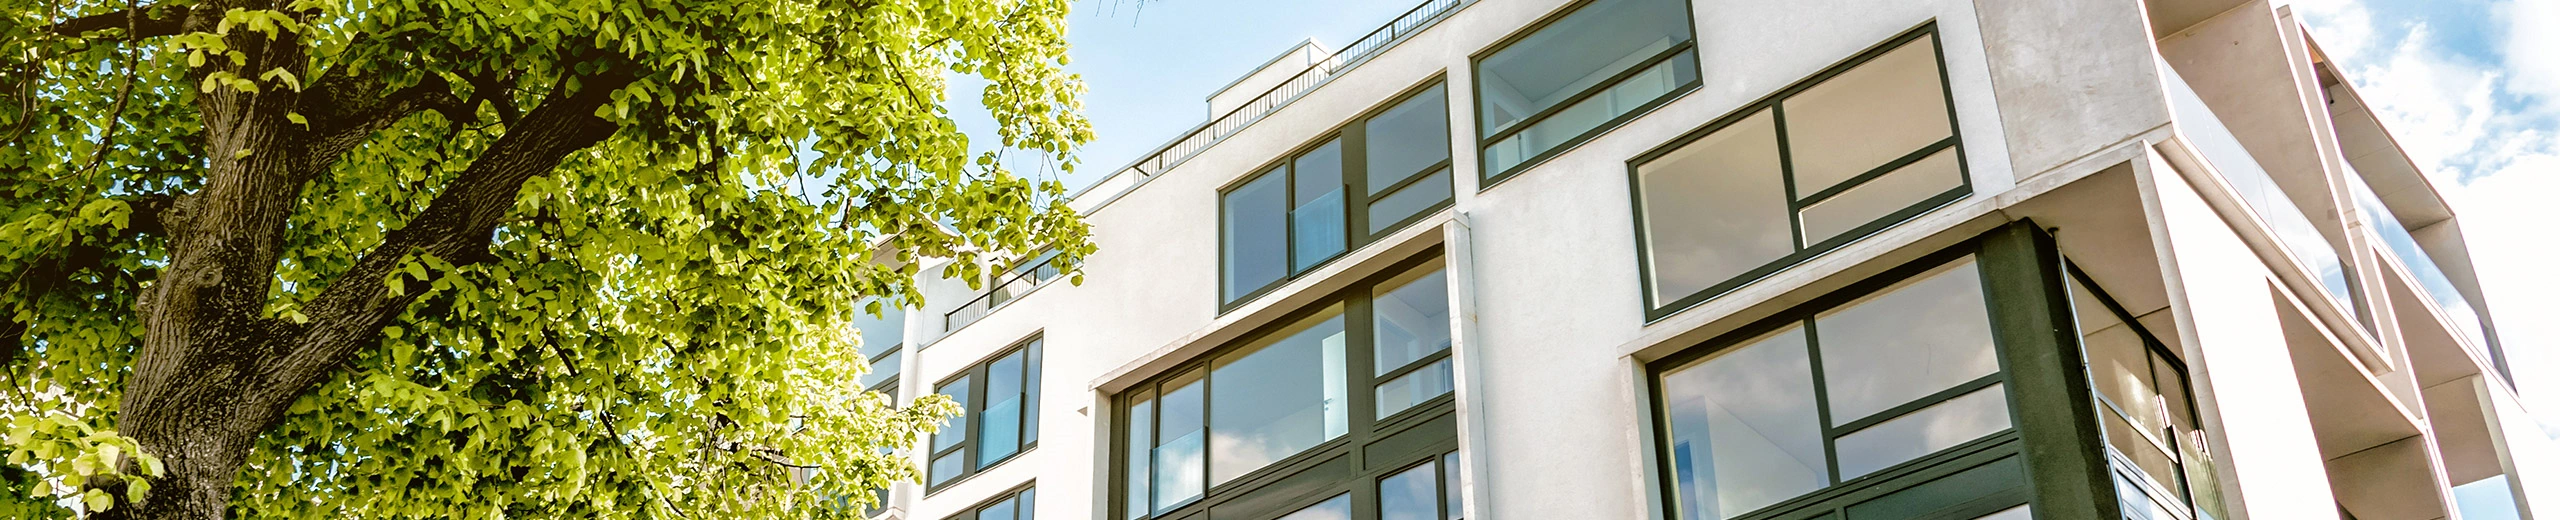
point(1355, 196)
point(2183, 492)
point(1656, 309)
point(1016, 494)
point(1485, 179)
point(1840, 493)
point(1374, 447)
point(976, 376)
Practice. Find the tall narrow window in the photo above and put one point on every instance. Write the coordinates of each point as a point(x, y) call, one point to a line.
point(1824, 162)
point(1833, 394)
point(1382, 172)
point(1272, 419)
point(1002, 400)
point(2143, 409)
point(1577, 75)
point(883, 343)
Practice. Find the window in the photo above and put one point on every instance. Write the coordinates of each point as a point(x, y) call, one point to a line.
point(1379, 173)
point(1254, 426)
point(883, 342)
point(1822, 397)
point(1819, 164)
point(1012, 505)
point(2144, 409)
point(1575, 76)
point(1002, 399)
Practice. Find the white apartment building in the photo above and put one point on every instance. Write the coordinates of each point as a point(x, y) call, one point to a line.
point(1721, 259)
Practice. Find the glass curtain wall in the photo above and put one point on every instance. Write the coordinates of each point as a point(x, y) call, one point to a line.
point(2141, 392)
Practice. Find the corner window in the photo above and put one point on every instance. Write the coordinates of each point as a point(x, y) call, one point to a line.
point(1844, 154)
point(1381, 172)
point(1001, 398)
point(1578, 75)
point(1832, 394)
point(2144, 410)
point(1012, 505)
point(1254, 426)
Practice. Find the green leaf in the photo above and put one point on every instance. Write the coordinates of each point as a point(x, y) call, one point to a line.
point(98, 500)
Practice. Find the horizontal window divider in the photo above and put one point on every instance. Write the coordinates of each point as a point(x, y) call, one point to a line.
point(1915, 210)
point(1595, 89)
point(1950, 461)
point(1870, 175)
point(1416, 177)
point(1916, 405)
point(1420, 413)
point(1409, 368)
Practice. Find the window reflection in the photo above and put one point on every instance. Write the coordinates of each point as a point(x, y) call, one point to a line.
point(1940, 426)
point(1316, 214)
point(1923, 335)
point(1412, 494)
point(1715, 208)
point(1407, 139)
point(1744, 428)
point(1575, 53)
point(1337, 508)
point(1274, 400)
point(1256, 234)
point(1181, 469)
point(1412, 318)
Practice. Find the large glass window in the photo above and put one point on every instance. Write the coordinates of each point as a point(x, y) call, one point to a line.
point(1275, 414)
point(1380, 172)
point(2144, 410)
point(1843, 154)
point(1833, 394)
point(1012, 505)
point(1002, 400)
point(883, 343)
point(1575, 76)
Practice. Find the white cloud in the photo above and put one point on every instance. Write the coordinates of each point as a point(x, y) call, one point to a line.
point(2488, 134)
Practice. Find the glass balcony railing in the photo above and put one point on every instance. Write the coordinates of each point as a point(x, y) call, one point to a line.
point(2429, 275)
point(2292, 228)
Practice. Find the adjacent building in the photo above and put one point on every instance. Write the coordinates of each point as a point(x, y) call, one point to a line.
point(1718, 259)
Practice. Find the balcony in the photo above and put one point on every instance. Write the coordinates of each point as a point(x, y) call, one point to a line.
point(1021, 280)
point(1200, 138)
point(2257, 189)
point(2451, 306)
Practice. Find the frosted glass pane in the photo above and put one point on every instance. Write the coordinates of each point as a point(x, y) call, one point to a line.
point(1941, 426)
point(1925, 334)
point(1744, 429)
point(1714, 209)
point(1882, 196)
point(1278, 398)
point(1849, 124)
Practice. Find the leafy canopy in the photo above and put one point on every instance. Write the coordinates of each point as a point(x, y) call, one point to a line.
point(659, 326)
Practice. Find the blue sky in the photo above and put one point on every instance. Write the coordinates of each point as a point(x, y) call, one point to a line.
point(2471, 88)
point(2474, 100)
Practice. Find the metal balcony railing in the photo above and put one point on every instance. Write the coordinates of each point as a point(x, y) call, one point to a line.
point(2428, 274)
point(2257, 189)
point(1200, 138)
point(1023, 280)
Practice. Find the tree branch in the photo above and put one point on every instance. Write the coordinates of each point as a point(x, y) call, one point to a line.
point(159, 19)
point(349, 111)
point(455, 227)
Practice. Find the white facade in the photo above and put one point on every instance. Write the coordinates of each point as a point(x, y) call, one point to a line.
point(2313, 405)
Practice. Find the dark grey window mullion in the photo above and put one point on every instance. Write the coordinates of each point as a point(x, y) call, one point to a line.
point(976, 407)
point(1586, 93)
point(1918, 404)
point(1410, 180)
point(1787, 174)
point(1355, 184)
point(1880, 171)
point(1821, 401)
point(1417, 365)
point(1359, 353)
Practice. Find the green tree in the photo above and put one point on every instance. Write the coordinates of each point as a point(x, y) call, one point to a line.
point(492, 258)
